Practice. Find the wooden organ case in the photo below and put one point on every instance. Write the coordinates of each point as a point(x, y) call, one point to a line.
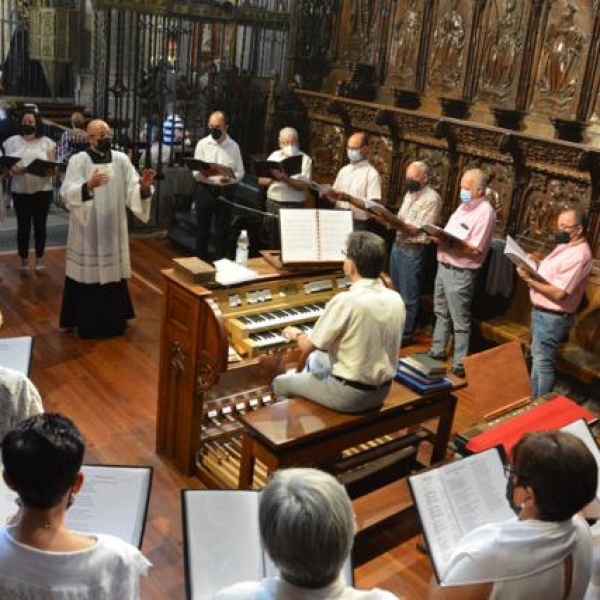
point(220, 349)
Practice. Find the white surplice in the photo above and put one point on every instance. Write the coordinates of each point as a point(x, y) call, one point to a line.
point(98, 243)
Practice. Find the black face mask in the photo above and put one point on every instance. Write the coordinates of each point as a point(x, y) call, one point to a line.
point(412, 185)
point(561, 237)
point(104, 145)
point(510, 488)
point(215, 133)
point(27, 129)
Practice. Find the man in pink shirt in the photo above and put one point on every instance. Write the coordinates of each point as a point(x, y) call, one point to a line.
point(459, 260)
point(556, 292)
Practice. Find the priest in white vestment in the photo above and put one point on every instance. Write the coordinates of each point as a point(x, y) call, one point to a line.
point(99, 185)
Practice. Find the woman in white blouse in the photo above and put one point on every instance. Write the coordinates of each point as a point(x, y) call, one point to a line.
point(40, 558)
point(31, 194)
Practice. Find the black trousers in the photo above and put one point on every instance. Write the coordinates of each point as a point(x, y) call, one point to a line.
point(208, 206)
point(28, 208)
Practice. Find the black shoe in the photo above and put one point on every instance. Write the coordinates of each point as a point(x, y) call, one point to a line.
point(436, 356)
point(458, 371)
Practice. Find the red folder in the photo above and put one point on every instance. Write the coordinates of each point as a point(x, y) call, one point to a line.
point(545, 417)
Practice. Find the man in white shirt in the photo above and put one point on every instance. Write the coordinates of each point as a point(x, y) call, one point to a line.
point(285, 191)
point(357, 180)
point(355, 342)
point(217, 147)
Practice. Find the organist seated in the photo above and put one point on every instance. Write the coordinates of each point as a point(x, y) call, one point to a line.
point(40, 557)
point(353, 348)
point(307, 528)
point(546, 552)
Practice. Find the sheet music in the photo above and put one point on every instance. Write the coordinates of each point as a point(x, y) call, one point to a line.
point(517, 255)
point(451, 233)
point(15, 353)
point(230, 273)
point(581, 430)
point(112, 500)
point(299, 235)
point(456, 498)
point(334, 228)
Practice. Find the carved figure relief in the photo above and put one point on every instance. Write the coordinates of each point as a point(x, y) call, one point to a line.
point(380, 157)
point(502, 49)
point(448, 45)
point(561, 60)
point(328, 147)
point(366, 21)
point(405, 40)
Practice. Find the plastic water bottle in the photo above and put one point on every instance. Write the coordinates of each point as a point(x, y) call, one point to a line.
point(241, 251)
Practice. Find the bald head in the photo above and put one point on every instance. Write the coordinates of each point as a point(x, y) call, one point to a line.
point(357, 146)
point(217, 126)
point(99, 136)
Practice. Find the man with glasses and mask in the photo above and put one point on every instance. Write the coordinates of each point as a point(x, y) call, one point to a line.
point(358, 180)
point(99, 185)
point(217, 147)
point(421, 206)
point(285, 191)
point(556, 295)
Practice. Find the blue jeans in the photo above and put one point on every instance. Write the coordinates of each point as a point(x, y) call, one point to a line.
point(548, 331)
point(406, 265)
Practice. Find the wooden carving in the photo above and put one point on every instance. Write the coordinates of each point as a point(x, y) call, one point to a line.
point(562, 61)
point(502, 50)
point(405, 40)
point(327, 144)
point(448, 48)
point(380, 156)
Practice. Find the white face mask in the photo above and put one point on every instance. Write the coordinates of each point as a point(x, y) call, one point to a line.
point(290, 150)
point(354, 155)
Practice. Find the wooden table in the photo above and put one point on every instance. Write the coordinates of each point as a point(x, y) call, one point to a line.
point(302, 433)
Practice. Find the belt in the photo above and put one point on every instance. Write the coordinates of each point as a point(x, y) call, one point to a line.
point(560, 313)
point(453, 268)
point(365, 387)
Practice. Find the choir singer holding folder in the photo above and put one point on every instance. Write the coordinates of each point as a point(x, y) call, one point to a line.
point(556, 295)
point(546, 551)
point(307, 528)
point(355, 342)
point(40, 557)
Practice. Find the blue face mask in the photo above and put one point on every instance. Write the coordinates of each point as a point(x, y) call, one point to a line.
point(465, 195)
point(354, 155)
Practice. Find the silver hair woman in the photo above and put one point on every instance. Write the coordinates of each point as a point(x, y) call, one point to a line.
point(307, 528)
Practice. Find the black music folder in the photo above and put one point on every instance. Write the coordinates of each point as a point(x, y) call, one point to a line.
point(221, 541)
point(209, 169)
point(40, 168)
point(453, 499)
point(6, 162)
point(113, 500)
point(292, 165)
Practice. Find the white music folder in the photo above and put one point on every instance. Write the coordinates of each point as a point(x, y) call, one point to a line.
point(113, 500)
point(221, 541)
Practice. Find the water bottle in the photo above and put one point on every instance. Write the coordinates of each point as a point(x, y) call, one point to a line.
point(241, 251)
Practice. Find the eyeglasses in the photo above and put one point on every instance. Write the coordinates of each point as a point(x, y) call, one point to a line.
point(567, 227)
point(509, 471)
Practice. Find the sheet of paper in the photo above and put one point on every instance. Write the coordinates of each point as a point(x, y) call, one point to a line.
point(299, 235)
point(15, 353)
point(582, 431)
point(230, 273)
point(222, 540)
point(518, 256)
point(334, 228)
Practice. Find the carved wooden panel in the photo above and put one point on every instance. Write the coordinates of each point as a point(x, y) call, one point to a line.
point(328, 144)
point(505, 27)
point(449, 46)
point(563, 58)
point(380, 156)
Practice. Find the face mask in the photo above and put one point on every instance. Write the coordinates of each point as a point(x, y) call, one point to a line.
point(215, 133)
point(412, 185)
point(290, 150)
point(354, 155)
point(561, 237)
point(465, 195)
point(104, 145)
point(510, 488)
point(27, 129)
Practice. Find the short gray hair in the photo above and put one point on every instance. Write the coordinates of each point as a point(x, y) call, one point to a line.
point(306, 525)
point(288, 131)
point(422, 166)
point(479, 178)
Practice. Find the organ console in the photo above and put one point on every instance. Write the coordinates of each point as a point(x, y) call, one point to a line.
point(220, 349)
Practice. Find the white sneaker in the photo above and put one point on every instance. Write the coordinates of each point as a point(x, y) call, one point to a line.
point(39, 265)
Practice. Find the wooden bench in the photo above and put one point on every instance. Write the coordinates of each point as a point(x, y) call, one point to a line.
point(579, 356)
point(301, 433)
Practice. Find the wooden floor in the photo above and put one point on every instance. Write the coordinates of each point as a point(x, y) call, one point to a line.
point(109, 388)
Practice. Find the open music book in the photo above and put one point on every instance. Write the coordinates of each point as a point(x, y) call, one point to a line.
point(221, 541)
point(6, 161)
point(40, 168)
point(292, 165)
point(458, 497)
point(113, 500)
point(454, 234)
point(312, 236)
point(209, 170)
point(519, 258)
